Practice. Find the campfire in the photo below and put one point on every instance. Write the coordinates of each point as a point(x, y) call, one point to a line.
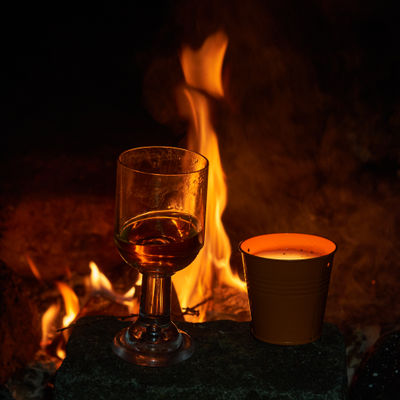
point(208, 289)
point(289, 150)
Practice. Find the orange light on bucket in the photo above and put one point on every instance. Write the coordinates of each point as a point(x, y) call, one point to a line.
point(287, 276)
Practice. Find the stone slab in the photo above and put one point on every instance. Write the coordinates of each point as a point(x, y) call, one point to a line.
point(228, 364)
point(378, 376)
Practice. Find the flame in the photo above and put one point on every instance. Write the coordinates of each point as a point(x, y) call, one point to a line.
point(33, 268)
point(71, 303)
point(48, 323)
point(99, 283)
point(60, 352)
point(203, 70)
point(49, 318)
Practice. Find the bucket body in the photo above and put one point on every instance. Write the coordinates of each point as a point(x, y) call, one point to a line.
point(287, 285)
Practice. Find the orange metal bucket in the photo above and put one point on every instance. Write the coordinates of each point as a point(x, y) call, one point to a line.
point(287, 276)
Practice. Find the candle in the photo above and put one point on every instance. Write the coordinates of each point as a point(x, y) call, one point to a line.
point(287, 276)
point(288, 254)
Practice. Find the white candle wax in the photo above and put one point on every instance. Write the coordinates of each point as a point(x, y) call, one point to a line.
point(287, 254)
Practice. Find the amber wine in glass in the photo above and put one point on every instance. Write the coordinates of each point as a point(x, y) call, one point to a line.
point(160, 204)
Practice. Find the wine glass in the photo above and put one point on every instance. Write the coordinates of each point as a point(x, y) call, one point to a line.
point(160, 216)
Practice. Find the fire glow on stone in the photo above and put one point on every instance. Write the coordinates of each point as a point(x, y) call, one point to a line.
point(203, 74)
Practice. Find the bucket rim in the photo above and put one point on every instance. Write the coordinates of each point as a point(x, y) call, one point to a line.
point(321, 239)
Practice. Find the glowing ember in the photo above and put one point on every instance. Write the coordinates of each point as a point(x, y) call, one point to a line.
point(202, 70)
point(60, 352)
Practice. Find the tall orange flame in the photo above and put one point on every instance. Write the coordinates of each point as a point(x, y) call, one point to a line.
point(202, 68)
point(203, 74)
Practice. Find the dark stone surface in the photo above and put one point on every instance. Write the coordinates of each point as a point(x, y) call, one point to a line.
point(378, 377)
point(228, 364)
point(5, 394)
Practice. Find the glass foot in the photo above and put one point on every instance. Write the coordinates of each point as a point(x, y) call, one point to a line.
point(140, 353)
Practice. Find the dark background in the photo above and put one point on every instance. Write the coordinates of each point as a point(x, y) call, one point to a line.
point(76, 71)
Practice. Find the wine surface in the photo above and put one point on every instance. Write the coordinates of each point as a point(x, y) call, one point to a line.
point(162, 241)
point(288, 254)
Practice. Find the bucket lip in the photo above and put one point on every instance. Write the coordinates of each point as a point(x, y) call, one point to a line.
point(293, 234)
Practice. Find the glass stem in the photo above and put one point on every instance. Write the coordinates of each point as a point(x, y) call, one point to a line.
point(153, 331)
point(155, 299)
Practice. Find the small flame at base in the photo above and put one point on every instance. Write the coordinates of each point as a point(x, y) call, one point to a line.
point(71, 303)
point(97, 283)
point(48, 321)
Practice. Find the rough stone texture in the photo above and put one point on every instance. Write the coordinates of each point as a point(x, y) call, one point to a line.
point(378, 377)
point(228, 364)
point(5, 394)
point(19, 323)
